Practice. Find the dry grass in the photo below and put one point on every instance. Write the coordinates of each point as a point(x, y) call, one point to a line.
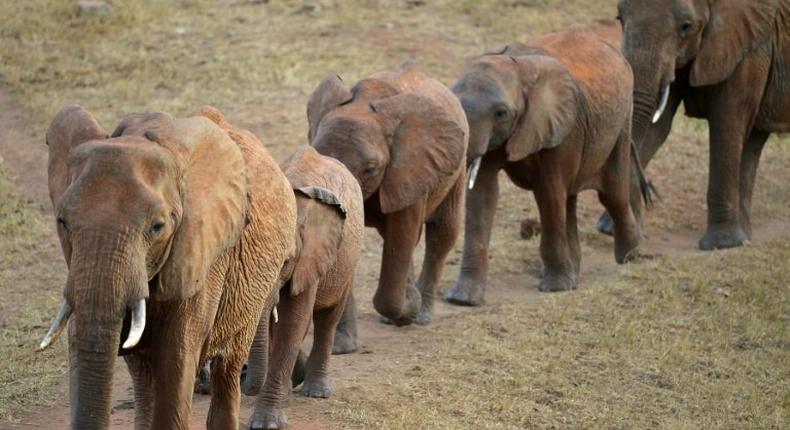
point(30, 273)
point(695, 343)
point(637, 352)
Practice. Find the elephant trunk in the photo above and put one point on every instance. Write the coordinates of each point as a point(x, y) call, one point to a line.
point(92, 352)
point(652, 78)
point(103, 288)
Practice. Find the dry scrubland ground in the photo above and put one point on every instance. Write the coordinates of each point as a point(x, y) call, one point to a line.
point(687, 340)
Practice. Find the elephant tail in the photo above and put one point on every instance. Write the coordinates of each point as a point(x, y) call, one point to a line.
point(645, 186)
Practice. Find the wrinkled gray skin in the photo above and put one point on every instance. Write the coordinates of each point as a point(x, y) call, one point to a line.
point(728, 61)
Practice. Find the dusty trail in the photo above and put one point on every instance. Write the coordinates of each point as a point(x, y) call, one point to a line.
point(26, 160)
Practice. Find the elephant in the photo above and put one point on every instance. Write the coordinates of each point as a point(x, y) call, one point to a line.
point(319, 278)
point(727, 61)
point(174, 232)
point(556, 116)
point(404, 136)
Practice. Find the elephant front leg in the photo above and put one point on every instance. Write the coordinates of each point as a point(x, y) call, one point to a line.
point(143, 382)
point(481, 202)
point(559, 273)
point(346, 333)
point(225, 391)
point(396, 298)
point(441, 233)
point(733, 109)
point(750, 159)
point(175, 366)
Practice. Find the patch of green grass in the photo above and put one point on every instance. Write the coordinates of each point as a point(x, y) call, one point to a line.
point(30, 277)
point(680, 343)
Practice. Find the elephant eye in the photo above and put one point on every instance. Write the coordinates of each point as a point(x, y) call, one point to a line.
point(157, 226)
point(686, 27)
point(500, 113)
point(370, 169)
point(62, 223)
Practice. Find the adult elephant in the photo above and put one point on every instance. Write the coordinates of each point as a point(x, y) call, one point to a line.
point(728, 61)
point(404, 136)
point(174, 232)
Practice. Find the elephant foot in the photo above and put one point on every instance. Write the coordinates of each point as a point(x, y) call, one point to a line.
point(269, 419)
point(722, 236)
point(400, 322)
point(556, 283)
point(345, 343)
point(424, 317)
point(318, 388)
point(605, 224)
point(466, 292)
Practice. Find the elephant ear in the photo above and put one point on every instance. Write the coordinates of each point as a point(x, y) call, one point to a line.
point(735, 28)
point(214, 202)
point(551, 99)
point(330, 93)
point(71, 127)
point(427, 146)
point(321, 221)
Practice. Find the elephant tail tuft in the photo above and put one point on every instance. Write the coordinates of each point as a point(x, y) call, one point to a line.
point(646, 187)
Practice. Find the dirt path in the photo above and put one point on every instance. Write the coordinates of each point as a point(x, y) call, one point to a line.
point(26, 159)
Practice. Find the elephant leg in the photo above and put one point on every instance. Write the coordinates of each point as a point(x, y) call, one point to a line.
point(558, 271)
point(750, 159)
point(615, 196)
point(654, 138)
point(481, 203)
point(174, 382)
point(396, 298)
point(574, 246)
point(316, 380)
point(287, 336)
point(346, 333)
point(225, 390)
point(733, 108)
point(441, 233)
point(143, 382)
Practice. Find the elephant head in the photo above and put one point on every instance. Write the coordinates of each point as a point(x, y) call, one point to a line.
point(525, 103)
point(708, 37)
point(400, 145)
point(141, 215)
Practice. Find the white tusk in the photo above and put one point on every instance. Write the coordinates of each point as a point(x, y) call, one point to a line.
point(662, 104)
point(60, 321)
point(137, 326)
point(274, 315)
point(473, 171)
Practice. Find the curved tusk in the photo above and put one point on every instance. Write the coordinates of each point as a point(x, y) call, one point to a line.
point(60, 321)
point(473, 171)
point(138, 325)
point(662, 104)
point(274, 315)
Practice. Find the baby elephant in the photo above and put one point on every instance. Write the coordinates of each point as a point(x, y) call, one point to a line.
point(317, 281)
point(403, 135)
point(556, 115)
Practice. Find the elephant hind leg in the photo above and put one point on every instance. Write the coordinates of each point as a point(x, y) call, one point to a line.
point(574, 247)
point(750, 159)
point(346, 340)
point(316, 380)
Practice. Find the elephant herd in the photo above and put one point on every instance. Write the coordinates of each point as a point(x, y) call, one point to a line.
point(187, 244)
